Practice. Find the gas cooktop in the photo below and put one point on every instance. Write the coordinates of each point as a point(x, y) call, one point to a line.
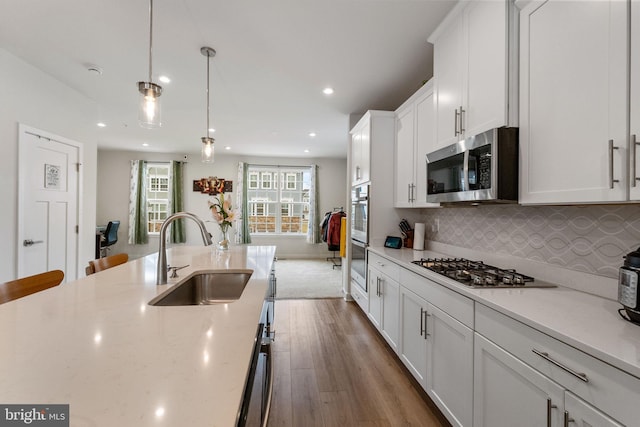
point(477, 274)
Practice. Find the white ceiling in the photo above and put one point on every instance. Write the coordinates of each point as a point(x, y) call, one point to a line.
point(273, 59)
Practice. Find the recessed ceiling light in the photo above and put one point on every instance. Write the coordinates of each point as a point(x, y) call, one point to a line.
point(164, 79)
point(306, 151)
point(327, 91)
point(212, 130)
point(312, 134)
point(227, 148)
point(145, 144)
point(101, 125)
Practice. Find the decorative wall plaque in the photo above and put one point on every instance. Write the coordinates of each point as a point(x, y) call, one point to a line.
point(212, 185)
point(52, 177)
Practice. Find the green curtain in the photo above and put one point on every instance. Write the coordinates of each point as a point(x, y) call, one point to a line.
point(178, 234)
point(244, 235)
point(138, 233)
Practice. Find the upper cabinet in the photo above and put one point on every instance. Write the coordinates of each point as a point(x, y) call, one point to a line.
point(574, 136)
point(361, 151)
point(415, 137)
point(475, 70)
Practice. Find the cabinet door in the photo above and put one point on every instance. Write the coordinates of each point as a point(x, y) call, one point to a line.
point(404, 157)
point(507, 392)
point(356, 157)
point(365, 154)
point(450, 366)
point(581, 414)
point(448, 67)
point(424, 143)
point(414, 338)
point(485, 50)
point(390, 290)
point(375, 298)
point(635, 101)
point(573, 89)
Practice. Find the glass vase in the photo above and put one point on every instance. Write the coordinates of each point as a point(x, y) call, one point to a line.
point(223, 244)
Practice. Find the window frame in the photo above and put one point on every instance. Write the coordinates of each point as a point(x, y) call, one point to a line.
point(155, 218)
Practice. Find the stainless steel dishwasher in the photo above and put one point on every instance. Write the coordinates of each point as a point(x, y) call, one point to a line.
point(258, 389)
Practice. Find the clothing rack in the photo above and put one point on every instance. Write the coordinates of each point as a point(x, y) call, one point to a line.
point(336, 260)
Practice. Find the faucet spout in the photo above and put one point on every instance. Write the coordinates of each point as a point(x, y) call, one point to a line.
point(161, 273)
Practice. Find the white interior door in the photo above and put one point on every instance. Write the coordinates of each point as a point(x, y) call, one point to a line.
point(47, 204)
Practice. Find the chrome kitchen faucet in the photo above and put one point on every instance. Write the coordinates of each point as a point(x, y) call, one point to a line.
point(161, 273)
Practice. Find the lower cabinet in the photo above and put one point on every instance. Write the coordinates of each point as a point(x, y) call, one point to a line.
point(579, 413)
point(507, 392)
point(438, 350)
point(384, 294)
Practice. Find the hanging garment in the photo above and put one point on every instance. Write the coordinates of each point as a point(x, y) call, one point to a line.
point(333, 232)
point(324, 226)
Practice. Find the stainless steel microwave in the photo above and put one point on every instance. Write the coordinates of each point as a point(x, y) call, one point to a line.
point(481, 168)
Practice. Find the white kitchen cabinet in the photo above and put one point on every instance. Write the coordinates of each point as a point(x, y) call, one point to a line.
point(361, 151)
point(415, 137)
point(508, 392)
point(475, 64)
point(634, 155)
point(384, 299)
point(436, 347)
point(413, 351)
point(449, 365)
point(573, 102)
point(591, 389)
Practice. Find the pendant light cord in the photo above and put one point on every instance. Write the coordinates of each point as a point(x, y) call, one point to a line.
point(150, 36)
point(208, 113)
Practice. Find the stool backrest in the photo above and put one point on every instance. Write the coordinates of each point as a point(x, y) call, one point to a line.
point(106, 262)
point(29, 285)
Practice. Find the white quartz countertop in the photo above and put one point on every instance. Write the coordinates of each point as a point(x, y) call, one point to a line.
point(97, 345)
point(587, 322)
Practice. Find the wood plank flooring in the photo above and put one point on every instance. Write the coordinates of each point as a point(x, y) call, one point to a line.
point(333, 369)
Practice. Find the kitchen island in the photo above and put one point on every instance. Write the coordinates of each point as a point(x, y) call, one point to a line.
point(98, 346)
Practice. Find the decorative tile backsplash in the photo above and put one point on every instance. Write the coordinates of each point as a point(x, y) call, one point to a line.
point(590, 239)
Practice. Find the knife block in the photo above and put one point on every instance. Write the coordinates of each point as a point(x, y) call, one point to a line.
point(408, 241)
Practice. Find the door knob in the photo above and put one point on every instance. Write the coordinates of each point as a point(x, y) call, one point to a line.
point(29, 242)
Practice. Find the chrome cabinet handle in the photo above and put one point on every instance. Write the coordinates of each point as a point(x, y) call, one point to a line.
point(455, 123)
point(611, 179)
point(357, 172)
point(426, 327)
point(29, 242)
point(462, 120)
point(413, 192)
point(422, 329)
point(550, 406)
point(579, 375)
point(567, 419)
point(634, 150)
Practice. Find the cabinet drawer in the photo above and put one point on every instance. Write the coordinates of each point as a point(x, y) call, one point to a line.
point(607, 388)
point(455, 305)
point(359, 296)
point(385, 266)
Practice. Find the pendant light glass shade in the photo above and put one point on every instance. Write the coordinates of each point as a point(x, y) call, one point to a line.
point(207, 142)
point(207, 150)
point(149, 106)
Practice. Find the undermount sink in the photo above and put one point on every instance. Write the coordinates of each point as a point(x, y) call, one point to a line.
point(204, 288)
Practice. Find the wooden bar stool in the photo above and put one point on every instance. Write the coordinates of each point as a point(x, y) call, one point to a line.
point(106, 262)
point(29, 285)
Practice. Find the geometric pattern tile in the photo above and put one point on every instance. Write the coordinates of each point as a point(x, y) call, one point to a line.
point(590, 239)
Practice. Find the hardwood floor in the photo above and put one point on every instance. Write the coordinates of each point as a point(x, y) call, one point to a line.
point(333, 369)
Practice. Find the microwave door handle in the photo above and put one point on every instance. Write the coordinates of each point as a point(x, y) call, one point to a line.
point(465, 174)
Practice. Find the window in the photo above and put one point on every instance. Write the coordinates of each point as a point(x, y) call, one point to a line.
point(157, 196)
point(281, 203)
point(253, 180)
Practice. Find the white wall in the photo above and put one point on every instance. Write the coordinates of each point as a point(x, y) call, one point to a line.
point(33, 98)
point(113, 187)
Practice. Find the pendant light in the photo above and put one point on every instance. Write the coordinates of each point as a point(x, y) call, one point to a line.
point(149, 107)
point(207, 142)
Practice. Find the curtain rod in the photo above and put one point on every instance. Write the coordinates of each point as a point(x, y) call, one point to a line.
point(278, 166)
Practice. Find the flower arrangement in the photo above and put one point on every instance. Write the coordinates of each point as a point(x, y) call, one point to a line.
point(222, 212)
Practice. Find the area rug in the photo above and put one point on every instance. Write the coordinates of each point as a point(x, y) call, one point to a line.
point(308, 278)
